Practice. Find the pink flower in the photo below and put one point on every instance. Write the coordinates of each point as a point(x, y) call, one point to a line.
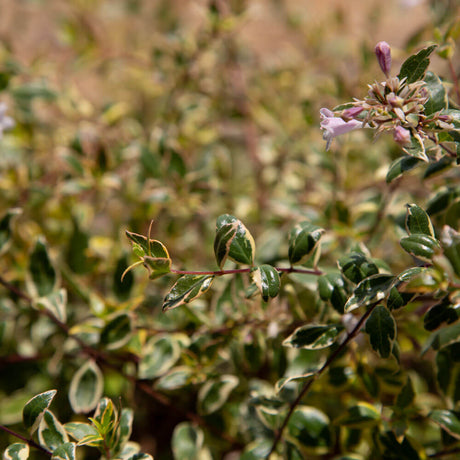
point(383, 53)
point(335, 126)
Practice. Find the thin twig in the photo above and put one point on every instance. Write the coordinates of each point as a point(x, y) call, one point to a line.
point(309, 383)
point(30, 442)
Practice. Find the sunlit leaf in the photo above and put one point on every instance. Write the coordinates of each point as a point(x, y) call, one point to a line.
point(362, 415)
point(437, 92)
point(83, 433)
point(150, 247)
point(421, 246)
point(186, 289)
point(17, 451)
point(416, 148)
point(51, 433)
point(55, 303)
point(418, 221)
point(187, 441)
point(400, 166)
point(65, 451)
point(371, 289)
point(86, 387)
point(35, 408)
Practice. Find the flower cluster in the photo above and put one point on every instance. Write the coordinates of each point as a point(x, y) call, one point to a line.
point(394, 105)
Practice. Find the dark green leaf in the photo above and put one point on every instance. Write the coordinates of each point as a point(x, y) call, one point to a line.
point(117, 332)
point(43, 274)
point(442, 338)
point(51, 433)
point(233, 241)
point(17, 451)
point(311, 428)
point(86, 387)
point(356, 266)
point(400, 166)
point(303, 240)
point(122, 287)
point(267, 281)
point(452, 217)
point(414, 67)
point(215, 393)
point(5, 228)
point(397, 450)
point(369, 290)
point(397, 299)
point(381, 328)
point(363, 415)
point(421, 246)
point(450, 241)
point(442, 200)
point(186, 289)
point(442, 312)
point(406, 396)
point(438, 166)
point(313, 337)
point(332, 289)
point(447, 420)
point(418, 221)
point(438, 95)
point(77, 249)
point(35, 408)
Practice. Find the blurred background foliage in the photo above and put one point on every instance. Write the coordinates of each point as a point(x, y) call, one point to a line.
point(129, 111)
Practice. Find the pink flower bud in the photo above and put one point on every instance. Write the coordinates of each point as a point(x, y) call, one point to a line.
point(352, 112)
point(401, 135)
point(383, 53)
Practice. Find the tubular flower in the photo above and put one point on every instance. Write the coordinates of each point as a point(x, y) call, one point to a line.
point(335, 126)
point(5, 121)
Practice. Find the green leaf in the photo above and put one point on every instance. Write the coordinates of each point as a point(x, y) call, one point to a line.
point(381, 328)
point(160, 354)
point(406, 396)
point(418, 221)
point(233, 241)
point(303, 241)
point(43, 274)
point(86, 387)
point(439, 166)
point(83, 433)
point(117, 332)
point(363, 415)
point(65, 451)
point(16, 451)
point(438, 94)
point(35, 408)
point(140, 456)
point(421, 246)
point(55, 303)
point(152, 248)
point(356, 266)
point(332, 289)
point(312, 337)
point(178, 377)
point(370, 290)
point(450, 242)
point(311, 428)
point(447, 420)
point(122, 287)
point(51, 434)
point(442, 338)
point(215, 393)
point(187, 441)
point(416, 148)
point(441, 201)
point(5, 229)
point(186, 289)
point(281, 383)
point(400, 166)
point(442, 312)
point(125, 428)
point(32, 90)
point(267, 281)
point(157, 266)
point(414, 67)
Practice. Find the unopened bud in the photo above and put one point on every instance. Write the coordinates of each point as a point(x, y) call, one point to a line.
point(383, 53)
point(401, 135)
point(352, 112)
